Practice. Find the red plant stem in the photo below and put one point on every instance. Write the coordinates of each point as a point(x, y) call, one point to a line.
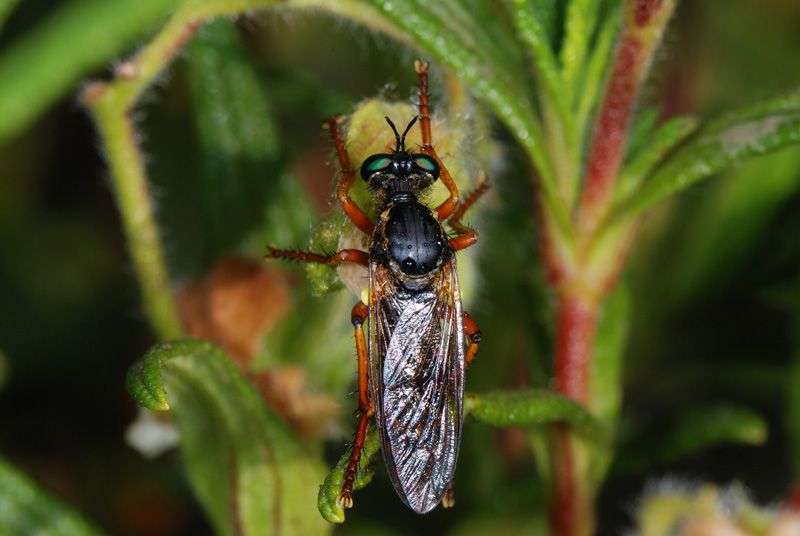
point(580, 282)
point(645, 21)
point(570, 507)
point(571, 499)
point(576, 320)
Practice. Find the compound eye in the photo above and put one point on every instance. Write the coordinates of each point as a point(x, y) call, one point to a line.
point(374, 164)
point(427, 163)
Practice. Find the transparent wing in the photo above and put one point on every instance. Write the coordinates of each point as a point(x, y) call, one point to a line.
point(417, 375)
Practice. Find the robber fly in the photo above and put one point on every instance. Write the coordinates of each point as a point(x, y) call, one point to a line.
point(411, 372)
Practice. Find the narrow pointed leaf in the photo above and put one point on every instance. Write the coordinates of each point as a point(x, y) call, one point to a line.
point(753, 131)
point(579, 28)
point(532, 31)
point(596, 66)
point(247, 468)
point(531, 407)
point(659, 143)
point(27, 509)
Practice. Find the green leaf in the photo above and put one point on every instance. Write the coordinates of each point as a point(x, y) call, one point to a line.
point(531, 30)
point(755, 130)
point(531, 407)
point(644, 157)
point(230, 179)
point(596, 67)
point(579, 27)
point(27, 509)
point(329, 491)
point(47, 63)
point(640, 131)
point(250, 472)
point(688, 433)
point(607, 365)
point(241, 152)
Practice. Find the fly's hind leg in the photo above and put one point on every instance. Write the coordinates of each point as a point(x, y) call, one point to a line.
point(365, 407)
point(449, 499)
point(473, 333)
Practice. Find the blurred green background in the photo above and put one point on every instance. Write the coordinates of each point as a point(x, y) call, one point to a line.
point(715, 275)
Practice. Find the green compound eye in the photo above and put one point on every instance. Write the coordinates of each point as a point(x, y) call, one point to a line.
point(375, 163)
point(427, 163)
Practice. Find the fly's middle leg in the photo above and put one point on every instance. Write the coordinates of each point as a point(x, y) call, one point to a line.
point(345, 255)
point(365, 407)
point(473, 333)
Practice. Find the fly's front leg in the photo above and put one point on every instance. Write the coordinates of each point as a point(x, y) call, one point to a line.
point(345, 255)
point(365, 407)
point(448, 205)
point(352, 210)
point(473, 333)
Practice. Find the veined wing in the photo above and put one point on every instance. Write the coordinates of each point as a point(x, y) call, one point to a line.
point(417, 375)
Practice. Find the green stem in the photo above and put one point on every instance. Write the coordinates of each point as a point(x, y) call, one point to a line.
point(112, 104)
point(136, 211)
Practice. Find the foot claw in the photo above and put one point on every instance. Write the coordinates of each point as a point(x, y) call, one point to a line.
point(345, 500)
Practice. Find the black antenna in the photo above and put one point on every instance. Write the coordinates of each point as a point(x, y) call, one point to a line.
point(396, 135)
point(401, 140)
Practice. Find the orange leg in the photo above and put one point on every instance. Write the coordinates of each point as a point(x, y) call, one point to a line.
point(467, 236)
point(352, 210)
point(365, 407)
point(449, 499)
point(449, 205)
point(473, 333)
point(345, 255)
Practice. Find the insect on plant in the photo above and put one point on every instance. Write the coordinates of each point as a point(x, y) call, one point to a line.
point(411, 372)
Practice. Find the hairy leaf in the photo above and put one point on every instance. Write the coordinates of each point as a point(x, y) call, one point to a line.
point(248, 470)
point(531, 407)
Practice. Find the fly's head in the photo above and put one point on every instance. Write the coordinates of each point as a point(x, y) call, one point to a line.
point(399, 171)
